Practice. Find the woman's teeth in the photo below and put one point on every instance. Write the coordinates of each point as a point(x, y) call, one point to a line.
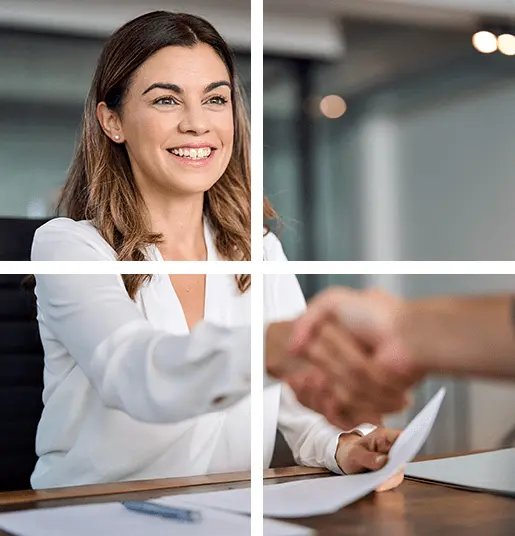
point(194, 154)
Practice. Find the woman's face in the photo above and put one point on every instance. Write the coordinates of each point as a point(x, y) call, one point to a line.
point(177, 120)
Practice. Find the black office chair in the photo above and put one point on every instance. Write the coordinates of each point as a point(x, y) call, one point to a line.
point(21, 361)
point(282, 456)
point(16, 236)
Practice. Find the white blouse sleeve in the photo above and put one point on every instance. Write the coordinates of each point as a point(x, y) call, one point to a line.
point(149, 374)
point(312, 439)
point(63, 239)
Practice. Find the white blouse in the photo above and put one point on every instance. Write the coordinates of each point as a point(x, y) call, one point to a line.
point(131, 394)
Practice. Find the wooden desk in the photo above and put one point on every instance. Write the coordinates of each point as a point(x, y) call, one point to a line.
point(138, 490)
point(414, 509)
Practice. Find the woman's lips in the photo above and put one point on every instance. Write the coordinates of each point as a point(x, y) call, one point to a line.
point(194, 160)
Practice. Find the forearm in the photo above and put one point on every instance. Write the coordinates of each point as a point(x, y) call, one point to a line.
point(462, 335)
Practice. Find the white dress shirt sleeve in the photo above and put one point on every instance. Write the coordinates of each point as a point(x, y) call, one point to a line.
point(312, 439)
point(151, 375)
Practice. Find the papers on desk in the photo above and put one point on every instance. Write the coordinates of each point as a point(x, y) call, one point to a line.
point(488, 471)
point(113, 519)
point(221, 511)
point(327, 495)
point(320, 496)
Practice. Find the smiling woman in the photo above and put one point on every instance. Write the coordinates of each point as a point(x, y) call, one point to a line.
point(162, 167)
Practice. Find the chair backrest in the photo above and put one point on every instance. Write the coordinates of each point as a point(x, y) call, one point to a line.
point(21, 383)
point(21, 361)
point(16, 236)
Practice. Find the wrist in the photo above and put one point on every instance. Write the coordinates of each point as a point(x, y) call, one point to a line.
point(345, 440)
point(276, 343)
point(349, 437)
point(422, 327)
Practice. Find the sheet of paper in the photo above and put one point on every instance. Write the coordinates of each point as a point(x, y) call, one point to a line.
point(112, 519)
point(115, 520)
point(487, 471)
point(304, 498)
point(271, 527)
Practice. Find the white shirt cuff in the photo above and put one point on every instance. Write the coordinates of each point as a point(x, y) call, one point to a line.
point(330, 461)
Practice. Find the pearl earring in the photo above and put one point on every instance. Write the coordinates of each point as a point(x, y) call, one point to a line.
point(117, 137)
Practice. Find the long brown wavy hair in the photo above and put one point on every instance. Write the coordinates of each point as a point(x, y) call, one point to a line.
point(100, 185)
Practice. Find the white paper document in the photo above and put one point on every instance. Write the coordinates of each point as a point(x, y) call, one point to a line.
point(487, 471)
point(304, 498)
point(270, 526)
point(113, 519)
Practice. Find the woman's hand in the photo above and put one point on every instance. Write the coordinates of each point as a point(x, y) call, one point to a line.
point(356, 454)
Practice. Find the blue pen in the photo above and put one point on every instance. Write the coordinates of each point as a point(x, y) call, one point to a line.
point(169, 512)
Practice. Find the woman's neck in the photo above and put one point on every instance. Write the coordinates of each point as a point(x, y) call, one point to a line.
point(180, 222)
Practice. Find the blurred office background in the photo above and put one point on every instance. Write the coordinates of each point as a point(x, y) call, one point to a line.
point(416, 163)
point(419, 164)
point(49, 52)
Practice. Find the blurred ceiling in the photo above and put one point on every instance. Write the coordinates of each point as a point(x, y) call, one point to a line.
point(387, 41)
point(287, 22)
point(100, 17)
point(454, 13)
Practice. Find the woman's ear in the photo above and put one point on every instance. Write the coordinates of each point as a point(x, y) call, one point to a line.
point(110, 122)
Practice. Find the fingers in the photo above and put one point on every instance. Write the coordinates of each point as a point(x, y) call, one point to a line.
point(368, 453)
point(355, 393)
point(349, 363)
point(381, 440)
point(310, 388)
point(393, 482)
point(359, 459)
point(316, 391)
point(342, 396)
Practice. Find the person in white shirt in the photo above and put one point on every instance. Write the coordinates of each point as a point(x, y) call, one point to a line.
point(148, 377)
point(134, 389)
point(164, 149)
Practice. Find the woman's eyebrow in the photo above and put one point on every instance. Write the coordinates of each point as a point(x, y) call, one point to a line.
point(163, 85)
point(176, 89)
point(214, 85)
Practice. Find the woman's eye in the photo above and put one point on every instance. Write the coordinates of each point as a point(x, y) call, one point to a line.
point(165, 101)
point(217, 100)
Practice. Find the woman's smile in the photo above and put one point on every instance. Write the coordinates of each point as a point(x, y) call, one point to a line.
point(196, 155)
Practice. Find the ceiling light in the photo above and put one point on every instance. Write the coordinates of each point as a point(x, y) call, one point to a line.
point(485, 42)
point(506, 44)
point(333, 106)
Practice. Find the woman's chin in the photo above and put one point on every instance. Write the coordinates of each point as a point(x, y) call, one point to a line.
point(195, 186)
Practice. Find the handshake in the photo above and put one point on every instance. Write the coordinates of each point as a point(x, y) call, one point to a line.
point(354, 356)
